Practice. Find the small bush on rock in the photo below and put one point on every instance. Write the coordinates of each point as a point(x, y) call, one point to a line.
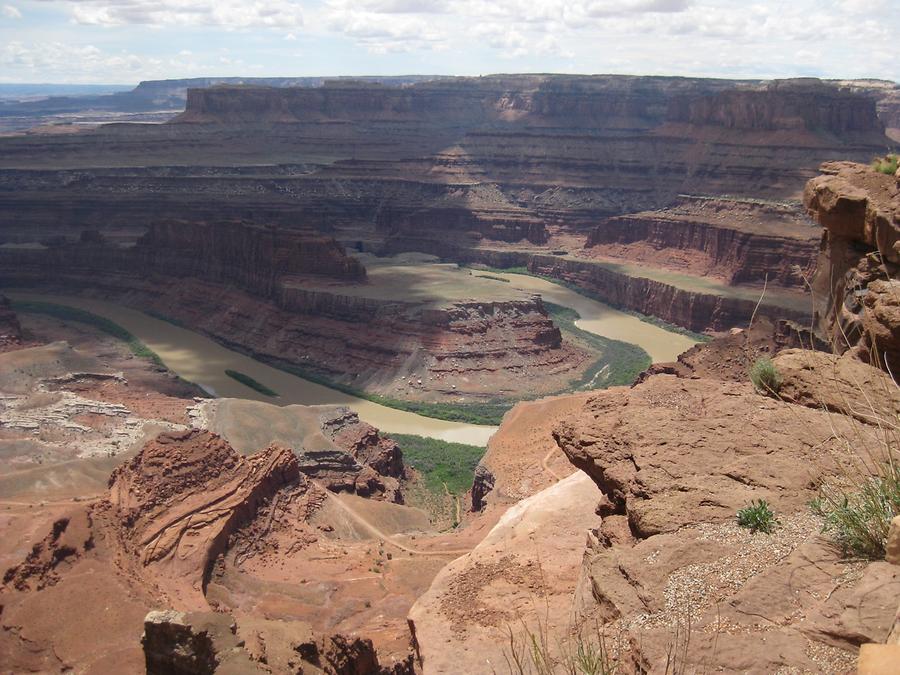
point(859, 515)
point(765, 377)
point(887, 164)
point(757, 517)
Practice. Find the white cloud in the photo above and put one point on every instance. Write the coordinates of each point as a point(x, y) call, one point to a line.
point(11, 12)
point(750, 38)
point(382, 32)
point(226, 13)
point(63, 62)
point(623, 7)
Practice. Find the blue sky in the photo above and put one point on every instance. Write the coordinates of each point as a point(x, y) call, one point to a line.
point(125, 41)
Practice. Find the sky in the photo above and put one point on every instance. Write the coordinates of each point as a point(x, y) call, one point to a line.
point(126, 41)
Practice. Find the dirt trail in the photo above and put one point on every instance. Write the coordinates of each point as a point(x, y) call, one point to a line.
point(380, 534)
point(546, 467)
point(45, 503)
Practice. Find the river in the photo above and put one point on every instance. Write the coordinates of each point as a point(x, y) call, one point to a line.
point(662, 345)
point(203, 361)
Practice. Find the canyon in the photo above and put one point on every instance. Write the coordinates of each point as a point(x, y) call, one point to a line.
point(540, 172)
point(470, 244)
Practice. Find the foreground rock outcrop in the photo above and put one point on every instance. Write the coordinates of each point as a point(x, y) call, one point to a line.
point(171, 517)
point(857, 280)
point(661, 572)
point(676, 459)
point(203, 643)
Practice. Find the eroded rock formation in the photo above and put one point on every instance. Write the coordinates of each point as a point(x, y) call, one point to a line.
point(180, 501)
point(857, 278)
point(203, 643)
point(172, 514)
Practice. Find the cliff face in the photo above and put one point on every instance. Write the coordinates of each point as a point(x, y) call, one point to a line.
point(738, 241)
point(578, 101)
point(860, 260)
point(496, 157)
point(253, 257)
point(511, 225)
point(694, 310)
point(792, 104)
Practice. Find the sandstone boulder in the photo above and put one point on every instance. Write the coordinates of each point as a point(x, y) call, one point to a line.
point(840, 384)
point(670, 570)
point(893, 542)
point(524, 573)
point(881, 319)
point(671, 452)
point(876, 659)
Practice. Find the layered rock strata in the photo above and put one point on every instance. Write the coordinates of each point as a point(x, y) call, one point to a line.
point(447, 165)
point(184, 497)
point(739, 241)
point(499, 157)
point(692, 309)
point(172, 514)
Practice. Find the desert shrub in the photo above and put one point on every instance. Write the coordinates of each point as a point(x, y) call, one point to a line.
point(858, 513)
point(757, 517)
point(765, 377)
point(530, 653)
point(887, 164)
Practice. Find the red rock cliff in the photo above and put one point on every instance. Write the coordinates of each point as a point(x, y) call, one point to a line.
point(737, 240)
point(858, 268)
point(791, 104)
point(253, 257)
